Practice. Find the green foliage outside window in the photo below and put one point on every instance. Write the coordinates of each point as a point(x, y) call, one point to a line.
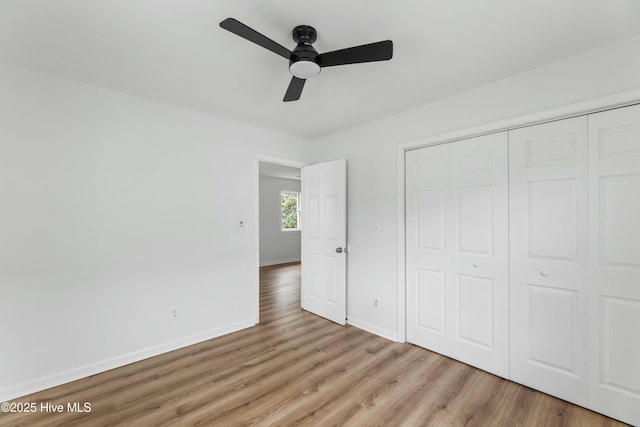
point(289, 206)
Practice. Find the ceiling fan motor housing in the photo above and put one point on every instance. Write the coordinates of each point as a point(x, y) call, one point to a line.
point(304, 34)
point(303, 62)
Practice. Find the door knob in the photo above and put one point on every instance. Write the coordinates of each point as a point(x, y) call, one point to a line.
point(544, 273)
point(339, 250)
point(476, 265)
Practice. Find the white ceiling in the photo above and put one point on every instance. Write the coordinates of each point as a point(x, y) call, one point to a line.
point(173, 51)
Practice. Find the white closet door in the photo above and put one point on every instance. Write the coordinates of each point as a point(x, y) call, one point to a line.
point(614, 163)
point(479, 292)
point(428, 254)
point(457, 253)
point(549, 257)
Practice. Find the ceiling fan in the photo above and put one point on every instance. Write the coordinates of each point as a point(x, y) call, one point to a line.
point(304, 61)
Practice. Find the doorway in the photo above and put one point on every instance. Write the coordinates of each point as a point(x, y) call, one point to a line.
point(278, 194)
point(279, 213)
point(322, 238)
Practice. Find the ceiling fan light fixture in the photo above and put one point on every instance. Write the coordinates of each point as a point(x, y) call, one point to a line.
point(304, 69)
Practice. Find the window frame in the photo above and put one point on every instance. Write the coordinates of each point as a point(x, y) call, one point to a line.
point(298, 195)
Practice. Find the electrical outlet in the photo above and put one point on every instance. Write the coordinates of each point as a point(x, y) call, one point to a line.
point(375, 302)
point(174, 312)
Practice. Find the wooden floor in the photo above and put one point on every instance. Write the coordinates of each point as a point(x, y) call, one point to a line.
point(298, 369)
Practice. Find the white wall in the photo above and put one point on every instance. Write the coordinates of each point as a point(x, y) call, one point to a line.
point(113, 210)
point(371, 152)
point(276, 246)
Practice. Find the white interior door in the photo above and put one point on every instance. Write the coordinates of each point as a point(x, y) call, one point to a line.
point(428, 253)
point(614, 198)
point(324, 240)
point(549, 257)
point(479, 184)
point(457, 253)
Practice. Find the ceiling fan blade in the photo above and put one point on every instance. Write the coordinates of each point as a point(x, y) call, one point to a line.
point(294, 90)
point(238, 28)
point(379, 51)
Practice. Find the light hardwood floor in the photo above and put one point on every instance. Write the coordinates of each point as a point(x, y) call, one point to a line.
point(295, 368)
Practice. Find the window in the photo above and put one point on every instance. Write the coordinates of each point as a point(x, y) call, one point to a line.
point(289, 205)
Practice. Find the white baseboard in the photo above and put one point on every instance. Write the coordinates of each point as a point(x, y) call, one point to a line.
point(116, 362)
point(366, 326)
point(281, 261)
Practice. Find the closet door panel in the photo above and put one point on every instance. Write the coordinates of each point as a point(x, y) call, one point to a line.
point(429, 266)
point(457, 255)
point(614, 163)
point(549, 257)
point(553, 220)
point(479, 189)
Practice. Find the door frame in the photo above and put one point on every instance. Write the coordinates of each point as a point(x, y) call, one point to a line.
point(267, 159)
point(618, 100)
